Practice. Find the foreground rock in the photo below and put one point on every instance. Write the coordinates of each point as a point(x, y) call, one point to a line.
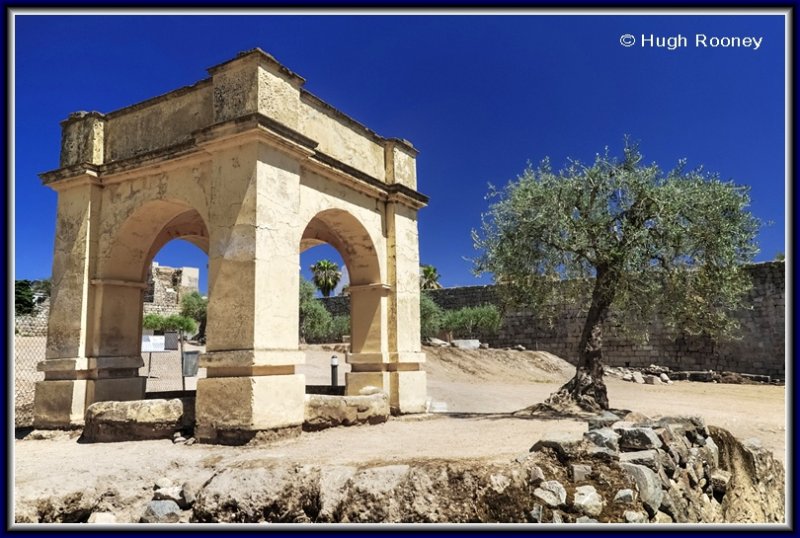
point(700, 474)
point(323, 411)
point(137, 420)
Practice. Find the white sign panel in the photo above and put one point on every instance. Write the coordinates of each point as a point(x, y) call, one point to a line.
point(152, 342)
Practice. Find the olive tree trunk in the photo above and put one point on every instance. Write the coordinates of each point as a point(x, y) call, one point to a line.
point(587, 389)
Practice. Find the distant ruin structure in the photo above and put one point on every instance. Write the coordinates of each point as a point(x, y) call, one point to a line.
point(253, 169)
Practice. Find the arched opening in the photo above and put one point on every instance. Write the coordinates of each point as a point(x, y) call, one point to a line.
point(134, 280)
point(337, 236)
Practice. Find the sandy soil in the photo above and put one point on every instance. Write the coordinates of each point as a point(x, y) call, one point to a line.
point(480, 389)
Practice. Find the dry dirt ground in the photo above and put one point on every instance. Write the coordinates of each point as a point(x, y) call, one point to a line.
point(480, 389)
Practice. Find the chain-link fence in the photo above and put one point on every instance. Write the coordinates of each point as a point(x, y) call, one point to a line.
point(165, 373)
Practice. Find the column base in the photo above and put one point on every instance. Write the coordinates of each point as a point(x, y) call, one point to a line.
point(62, 403)
point(235, 408)
point(407, 389)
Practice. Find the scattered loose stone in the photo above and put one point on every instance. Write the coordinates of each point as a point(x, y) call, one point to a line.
point(648, 458)
point(649, 485)
point(176, 435)
point(552, 493)
point(187, 496)
point(536, 475)
point(163, 483)
point(627, 377)
point(557, 518)
point(602, 453)
point(179, 440)
point(664, 378)
point(584, 519)
point(168, 494)
point(580, 472)
point(562, 443)
point(624, 496)
point(603, 420)
point(605, 437)
point(190, 441)
point(535, 515)
point(519, 347)
point(661, 517)
point(635, 517)
point(102, 518)
point(161, 512)
point(369, 390)
point(588, 501)
point(652, 380)
point(638, 438)
point(638, 378)
point(719, 481)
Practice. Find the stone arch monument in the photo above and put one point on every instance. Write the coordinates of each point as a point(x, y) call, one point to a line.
point(253, 169)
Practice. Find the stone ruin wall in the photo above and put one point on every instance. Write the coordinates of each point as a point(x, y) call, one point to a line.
point(165, 287)
point(761, 349)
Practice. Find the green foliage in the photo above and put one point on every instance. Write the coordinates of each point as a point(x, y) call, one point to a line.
point(153, 322)
point(429, 278)
point(194, 306)
point(181, 324)
point(472, 321)
point(315, 321)
point(780, 256)
point(340, 326)
point(23, 298)
point(430, 316)
point(635, 240)
point(326, 276)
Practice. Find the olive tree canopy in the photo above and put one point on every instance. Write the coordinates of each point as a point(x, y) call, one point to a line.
point(631, 239)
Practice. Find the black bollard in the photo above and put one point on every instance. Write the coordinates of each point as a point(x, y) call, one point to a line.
point(334, 371)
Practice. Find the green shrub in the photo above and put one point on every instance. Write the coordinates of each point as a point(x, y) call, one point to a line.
point(153, 322)
point(315, 322)
point(472, 321)
point(430, 316)
point(340, 326)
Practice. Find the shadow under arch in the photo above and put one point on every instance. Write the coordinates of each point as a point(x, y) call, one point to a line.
point(350, 238)
point(120, 283)
point(151, 226)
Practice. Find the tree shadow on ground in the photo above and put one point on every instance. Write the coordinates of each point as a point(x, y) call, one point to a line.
point(535, 413)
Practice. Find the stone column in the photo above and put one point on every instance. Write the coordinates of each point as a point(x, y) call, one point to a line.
point(395, 366)
point(369, 349)
point(408, 381)
point(252, 327)
point(76, 371)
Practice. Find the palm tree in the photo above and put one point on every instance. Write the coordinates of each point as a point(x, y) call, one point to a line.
point(429, 278)
point(326, 276)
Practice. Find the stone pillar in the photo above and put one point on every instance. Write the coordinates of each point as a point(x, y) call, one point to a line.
point(408, 381)
point(396, 365)
point(369, 349)
point(76, 372)
point(252, 327)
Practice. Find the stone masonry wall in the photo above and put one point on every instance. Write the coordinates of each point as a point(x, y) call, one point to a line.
point(760, 350)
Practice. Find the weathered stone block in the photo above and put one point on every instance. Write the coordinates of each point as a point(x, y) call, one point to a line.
point(133, 420)
point(328, 411)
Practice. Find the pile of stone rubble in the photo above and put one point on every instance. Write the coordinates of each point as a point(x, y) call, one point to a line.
point(675, 468)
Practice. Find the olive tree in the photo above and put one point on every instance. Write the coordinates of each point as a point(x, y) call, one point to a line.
point(624, 238)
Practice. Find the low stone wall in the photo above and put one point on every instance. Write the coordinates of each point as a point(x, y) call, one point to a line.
point(759, 350)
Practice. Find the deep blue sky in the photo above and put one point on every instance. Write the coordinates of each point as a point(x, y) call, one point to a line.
point(479, 96)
